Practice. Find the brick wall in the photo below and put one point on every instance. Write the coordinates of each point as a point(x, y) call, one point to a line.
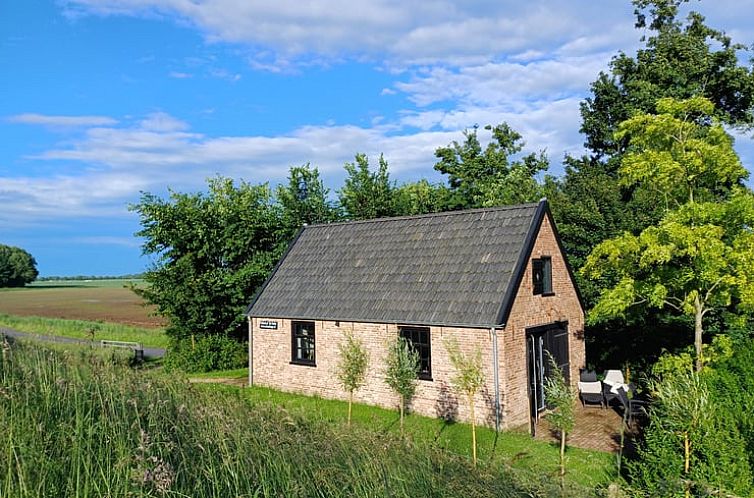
point(530, 311)
point(271, 351)
point(272, 367)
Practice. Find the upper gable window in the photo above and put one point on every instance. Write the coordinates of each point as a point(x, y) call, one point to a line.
point(541, 271)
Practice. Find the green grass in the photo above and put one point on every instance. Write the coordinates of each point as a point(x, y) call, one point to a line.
point(75, 424)
point(81, 329)
point(238, 373)
point(515, 449)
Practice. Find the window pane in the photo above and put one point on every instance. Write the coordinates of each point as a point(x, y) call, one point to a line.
point(418, 338)
point(303, 342)
point(537, 276)
point(546, 275)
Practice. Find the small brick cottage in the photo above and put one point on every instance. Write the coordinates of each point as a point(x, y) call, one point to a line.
point(494, 279)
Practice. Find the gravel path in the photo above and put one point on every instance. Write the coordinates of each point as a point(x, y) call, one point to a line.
point(148, 352)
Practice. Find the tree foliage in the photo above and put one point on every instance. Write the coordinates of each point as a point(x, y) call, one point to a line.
point(366, 194)
point(17, 267)
point(401, 368)
point(562, 399)
point(212, 251)
point(699, 257)
point(305, 199)
point(352, 367)
point(490, 176)
point(680, 60)
point(693, 444)
point(468, 380)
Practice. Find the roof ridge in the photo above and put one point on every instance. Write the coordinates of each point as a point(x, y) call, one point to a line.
point(427, 215)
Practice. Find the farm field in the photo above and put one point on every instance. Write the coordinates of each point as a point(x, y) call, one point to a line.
point(92, 300)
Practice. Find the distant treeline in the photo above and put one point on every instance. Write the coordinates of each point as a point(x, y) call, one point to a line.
point(130, 276)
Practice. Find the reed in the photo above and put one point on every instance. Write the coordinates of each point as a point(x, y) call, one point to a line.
point(81, 424)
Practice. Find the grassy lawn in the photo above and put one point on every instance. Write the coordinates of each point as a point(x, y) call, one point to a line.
point(514, 449)
point(81, 329)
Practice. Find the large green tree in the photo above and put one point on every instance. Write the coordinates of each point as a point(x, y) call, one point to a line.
point(305, 199)
point(493, 175)
point(680, 58)
point(17, 267)
point(700, 256)
point(212, 250)
point(367, 194)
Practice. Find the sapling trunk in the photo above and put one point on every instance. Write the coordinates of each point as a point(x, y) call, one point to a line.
point(402, 408)
point(473, 429)
point(562, 458)
point(350, 403)
point(686, 461)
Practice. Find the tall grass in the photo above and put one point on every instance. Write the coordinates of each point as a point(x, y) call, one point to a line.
point(83, 329)
point(80, 425)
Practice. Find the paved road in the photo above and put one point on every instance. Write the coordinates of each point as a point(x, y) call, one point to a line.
point(148, 352)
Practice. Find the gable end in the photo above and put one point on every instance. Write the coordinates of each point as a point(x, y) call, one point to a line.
point(543, 210)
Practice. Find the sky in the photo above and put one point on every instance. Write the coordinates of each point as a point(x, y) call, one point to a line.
point(101, 100)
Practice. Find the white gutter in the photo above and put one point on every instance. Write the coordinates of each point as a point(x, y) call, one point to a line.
point(495, 376)
point(251, 354)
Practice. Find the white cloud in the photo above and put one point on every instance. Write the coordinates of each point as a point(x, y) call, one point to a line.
point(505, 83)
point(108, 240)
point(180, 75)
point(61, 121)
point(393, 31)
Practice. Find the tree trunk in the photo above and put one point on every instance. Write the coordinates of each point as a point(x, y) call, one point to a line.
point(473, 429)
point(698, 329)
point(562, 458)
point(402, 403)
point(687, 461)
point(350, 403)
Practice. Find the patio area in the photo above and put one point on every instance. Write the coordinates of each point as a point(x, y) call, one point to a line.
point(595, 429)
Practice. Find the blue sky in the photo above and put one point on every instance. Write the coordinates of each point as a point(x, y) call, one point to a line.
point(102, 99)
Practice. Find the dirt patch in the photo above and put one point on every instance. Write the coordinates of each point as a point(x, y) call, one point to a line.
point(118, 305)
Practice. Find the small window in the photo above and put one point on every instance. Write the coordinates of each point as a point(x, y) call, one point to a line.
point(541, 271)
point(418, 338)
point(302, 343)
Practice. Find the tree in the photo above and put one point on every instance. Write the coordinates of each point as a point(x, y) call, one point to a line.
point(420, 197)
point(305, 199)
point(692, 444)
point(366, 194)
point(680, 58)
point(352, 367)
point(402, 366)
point(562, 399)
point(468, 379)
point(701, 254)
point(489, 177)
point(679, 61)
point(17, 267)
point(212, 250)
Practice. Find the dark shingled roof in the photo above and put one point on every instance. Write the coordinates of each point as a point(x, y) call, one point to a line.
point(453, 268)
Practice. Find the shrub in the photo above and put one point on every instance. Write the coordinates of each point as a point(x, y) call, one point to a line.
point(402, 366)
point(692, 445)
point(206, 353)
point(352, 367)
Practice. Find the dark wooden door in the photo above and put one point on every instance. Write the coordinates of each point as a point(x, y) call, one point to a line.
point(541, 343)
